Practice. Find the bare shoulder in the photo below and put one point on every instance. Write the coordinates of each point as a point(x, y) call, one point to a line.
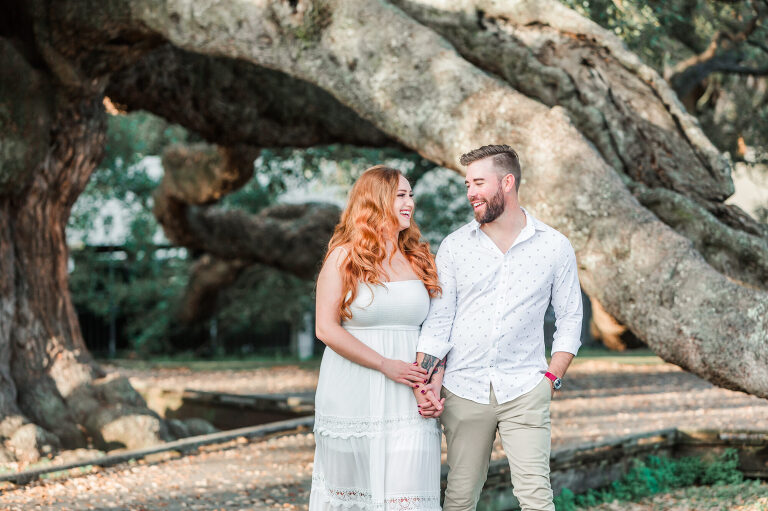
point(337, 256)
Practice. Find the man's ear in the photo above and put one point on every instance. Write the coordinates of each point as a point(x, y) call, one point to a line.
point(509, 182)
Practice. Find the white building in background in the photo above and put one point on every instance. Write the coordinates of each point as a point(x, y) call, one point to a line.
point(111, 225)
point(751, 184)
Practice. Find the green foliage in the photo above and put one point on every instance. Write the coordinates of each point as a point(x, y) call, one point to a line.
point(315, 19)
point(326, 172)
point(657, 475)
point(265, 297)
point(130, 138)
point(441, 205)
point(140, 286)
point(725, 470)
point(136, 283)
point(663, 34)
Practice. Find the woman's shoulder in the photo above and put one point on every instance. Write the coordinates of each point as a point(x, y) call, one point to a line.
point(337, 255)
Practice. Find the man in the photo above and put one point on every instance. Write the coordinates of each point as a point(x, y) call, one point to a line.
point(498, 274)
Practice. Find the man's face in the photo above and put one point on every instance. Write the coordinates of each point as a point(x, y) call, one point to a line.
point(484, 191)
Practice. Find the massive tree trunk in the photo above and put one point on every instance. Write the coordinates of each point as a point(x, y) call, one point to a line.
point(610, 157)
point(53, 393)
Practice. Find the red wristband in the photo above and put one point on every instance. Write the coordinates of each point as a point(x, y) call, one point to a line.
point(550, 376)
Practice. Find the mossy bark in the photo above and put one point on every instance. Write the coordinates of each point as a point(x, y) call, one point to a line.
point(52, 393)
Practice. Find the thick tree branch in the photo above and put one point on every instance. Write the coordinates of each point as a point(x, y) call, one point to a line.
point(231, 102)
point(208, 277)
point(559, 58)
point(737, 254)
point(287, 237)
point(202, 174)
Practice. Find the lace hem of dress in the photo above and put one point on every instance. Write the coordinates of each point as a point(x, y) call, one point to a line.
point(363, 499)
point(344, 427)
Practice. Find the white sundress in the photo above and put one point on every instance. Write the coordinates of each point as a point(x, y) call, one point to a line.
point(373, 449)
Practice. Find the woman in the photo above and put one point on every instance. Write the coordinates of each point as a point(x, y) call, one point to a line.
point(374, 451)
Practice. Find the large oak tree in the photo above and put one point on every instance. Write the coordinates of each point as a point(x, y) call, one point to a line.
point(610, 157)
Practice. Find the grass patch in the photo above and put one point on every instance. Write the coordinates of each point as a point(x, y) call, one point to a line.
point(642, 356)
point(658, 475)
point(746, 496)
point(223, 363)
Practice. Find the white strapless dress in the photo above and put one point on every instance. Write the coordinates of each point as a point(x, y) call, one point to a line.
point(373, 449)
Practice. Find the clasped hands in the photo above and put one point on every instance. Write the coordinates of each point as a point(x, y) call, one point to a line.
point(428, 399)
point(426, 387)
point(427, 392)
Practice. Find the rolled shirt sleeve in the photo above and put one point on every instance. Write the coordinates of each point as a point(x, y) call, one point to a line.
point(435, 335)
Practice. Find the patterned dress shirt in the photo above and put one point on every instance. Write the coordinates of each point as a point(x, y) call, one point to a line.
point(490, 317)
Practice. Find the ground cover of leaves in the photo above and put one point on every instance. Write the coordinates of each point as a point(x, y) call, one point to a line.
point(603, 399)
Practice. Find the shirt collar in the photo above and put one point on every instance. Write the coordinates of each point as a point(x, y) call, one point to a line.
point(530, 220)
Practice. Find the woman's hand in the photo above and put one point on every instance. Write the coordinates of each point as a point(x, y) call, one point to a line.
point(428, 399)
point(403, 372)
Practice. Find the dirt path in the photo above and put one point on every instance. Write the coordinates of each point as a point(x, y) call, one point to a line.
point(602, 400)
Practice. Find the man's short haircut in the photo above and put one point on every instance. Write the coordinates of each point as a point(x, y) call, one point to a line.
point(505, 160)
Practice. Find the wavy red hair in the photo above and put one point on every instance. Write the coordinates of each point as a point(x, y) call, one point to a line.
point(364, 229)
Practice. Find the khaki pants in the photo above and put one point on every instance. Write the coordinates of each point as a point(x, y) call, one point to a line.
point(523, 425)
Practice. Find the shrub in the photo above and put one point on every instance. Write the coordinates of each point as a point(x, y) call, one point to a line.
point(656, 475)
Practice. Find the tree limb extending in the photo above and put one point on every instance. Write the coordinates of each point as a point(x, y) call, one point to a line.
point(289, 237)
point(721, 55)
point(232, 102)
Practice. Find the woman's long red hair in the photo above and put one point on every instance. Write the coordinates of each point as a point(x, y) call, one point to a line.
point(363, 231)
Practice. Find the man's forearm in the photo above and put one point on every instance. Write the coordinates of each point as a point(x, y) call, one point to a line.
point(559, 363)
point(432, 364)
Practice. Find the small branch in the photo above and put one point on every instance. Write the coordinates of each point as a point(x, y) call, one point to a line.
point(742, 70)
point(758, 44)
point(720, 56)
point(208, 277)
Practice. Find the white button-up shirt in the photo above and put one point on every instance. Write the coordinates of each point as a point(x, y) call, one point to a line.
point(490, 317)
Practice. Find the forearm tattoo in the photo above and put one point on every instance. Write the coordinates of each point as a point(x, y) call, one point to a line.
point(433, 365)
point(429, 362)
point(440, 366)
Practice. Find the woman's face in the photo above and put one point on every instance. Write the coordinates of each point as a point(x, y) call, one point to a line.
point(404, 205)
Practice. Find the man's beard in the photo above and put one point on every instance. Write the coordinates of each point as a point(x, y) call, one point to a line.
point(493, 208)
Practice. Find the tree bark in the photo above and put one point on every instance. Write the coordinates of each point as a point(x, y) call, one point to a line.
point(291, 237)
point(621, 106)
point(208, 277)
point(606, 329)
point(231, 102)
point(52, 392)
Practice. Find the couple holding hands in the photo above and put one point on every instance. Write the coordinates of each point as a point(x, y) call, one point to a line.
point(411, 338)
